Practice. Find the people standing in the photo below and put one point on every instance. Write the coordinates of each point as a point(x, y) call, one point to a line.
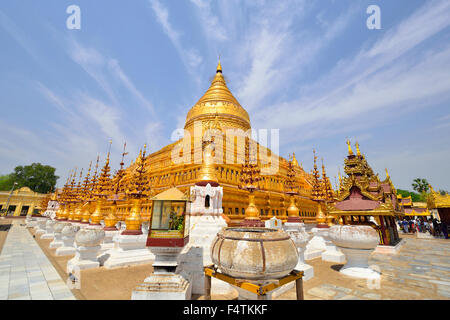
point(436, 230)
point(444, 229)
point(405, 226)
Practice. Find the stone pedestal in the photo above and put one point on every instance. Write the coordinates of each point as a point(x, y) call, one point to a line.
point(357, 265)
point(357, 242)
point(108, 242)
point(57, 239)
point(316, 246)
point(68, 238)
point(85, 258)
point(197, 254)
point(31, 221)
point(300, 238)
point(391, 249)
point(87, 247)
point(40, 225)
point(128, 250)
point(49, 234)
point(332, 253)
point(164, 283)
point(163, 287)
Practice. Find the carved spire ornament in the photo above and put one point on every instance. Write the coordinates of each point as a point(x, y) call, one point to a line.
point(250, 176)
point(292, 190)
point(116, 187)
point(137, 190)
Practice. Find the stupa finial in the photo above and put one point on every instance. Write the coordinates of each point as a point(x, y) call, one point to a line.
point(219, 66)
point(358, 153)
point(350, 151)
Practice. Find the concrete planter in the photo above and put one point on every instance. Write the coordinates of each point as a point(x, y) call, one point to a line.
point(254, 253)
point(357, 242)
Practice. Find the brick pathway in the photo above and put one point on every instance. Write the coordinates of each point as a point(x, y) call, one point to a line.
point(25, 271)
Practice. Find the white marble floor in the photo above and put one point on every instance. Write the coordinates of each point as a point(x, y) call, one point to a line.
point(25, 271)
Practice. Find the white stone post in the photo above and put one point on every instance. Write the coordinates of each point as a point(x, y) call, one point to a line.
point(87, 247)
point(127, 250)
point(316, 246)
point(332, 253)
point(300, 238)
point(57, 240)
point(31, 221)
point(68, 237)
point(164, 283)
point(204, 223)
point(40, 225)
point(49, 234)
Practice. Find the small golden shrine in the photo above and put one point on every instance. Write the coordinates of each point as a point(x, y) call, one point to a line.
point(365, 199)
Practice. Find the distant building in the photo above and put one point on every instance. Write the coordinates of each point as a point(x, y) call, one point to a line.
point(23, 201)
point(440, 203)
point(413, 209)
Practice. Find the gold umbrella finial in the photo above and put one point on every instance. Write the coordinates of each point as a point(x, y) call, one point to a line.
point(357, 149)
point(219, 66)
point(350, 151)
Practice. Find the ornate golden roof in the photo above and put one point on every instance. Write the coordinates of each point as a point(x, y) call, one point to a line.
point(435, 200)
point(218, 104)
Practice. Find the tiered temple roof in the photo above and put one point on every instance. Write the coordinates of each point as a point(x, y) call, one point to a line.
point(362, 192)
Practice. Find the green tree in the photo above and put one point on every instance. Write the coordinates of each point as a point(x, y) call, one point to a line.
point(6, 182)
point(420, 185)
point(415, 197)
point(39, 178)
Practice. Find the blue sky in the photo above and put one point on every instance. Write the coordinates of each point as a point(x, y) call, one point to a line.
point(310, 68)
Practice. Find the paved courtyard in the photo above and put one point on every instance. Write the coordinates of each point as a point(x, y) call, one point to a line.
point(25, 271)
point(421, 270)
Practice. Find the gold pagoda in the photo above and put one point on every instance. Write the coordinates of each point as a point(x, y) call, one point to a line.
point(219, 110)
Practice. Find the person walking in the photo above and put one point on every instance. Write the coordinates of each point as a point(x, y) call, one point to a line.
point(405, 226)
point(444, 229)
point(435, 228)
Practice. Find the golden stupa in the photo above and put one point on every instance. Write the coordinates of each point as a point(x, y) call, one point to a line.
point(218, 109)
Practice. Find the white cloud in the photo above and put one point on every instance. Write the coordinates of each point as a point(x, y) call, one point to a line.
point(364, 84)
point(17, 34)
point(190, 56)
point(212, 27)
point(278, 51)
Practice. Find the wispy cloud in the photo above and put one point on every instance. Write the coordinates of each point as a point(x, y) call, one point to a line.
point(17, 34)
point(278, 52)
point(190, 56)
point(211, 25)
point(104, 70)
point(368, 82)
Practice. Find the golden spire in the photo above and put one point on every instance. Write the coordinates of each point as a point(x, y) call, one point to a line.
point(316, 191)
point(358, 153)
point(219, 100)
point(326, 185)
point(207, 173)
point(387, 173)
point(350, 151)
point(294, 160)
point(219, 67)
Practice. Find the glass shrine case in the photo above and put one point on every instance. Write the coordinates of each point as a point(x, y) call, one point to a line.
point(169, 222)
